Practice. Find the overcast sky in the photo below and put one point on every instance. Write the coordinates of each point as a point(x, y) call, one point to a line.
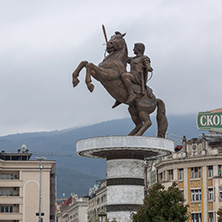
point(42, 42)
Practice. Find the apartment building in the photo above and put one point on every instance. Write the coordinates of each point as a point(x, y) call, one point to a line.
point(73, 209)
point(196, 167)
point(19, 188)
point(98, 201)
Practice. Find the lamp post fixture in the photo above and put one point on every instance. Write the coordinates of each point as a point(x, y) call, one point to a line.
point(40, 159)
point(102, 215)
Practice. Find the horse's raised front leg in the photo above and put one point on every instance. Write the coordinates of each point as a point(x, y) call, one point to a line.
point(75, 74)
point(95, 71)
point(88, 79)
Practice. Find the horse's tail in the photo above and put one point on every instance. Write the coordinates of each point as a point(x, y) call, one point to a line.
point(161, 119)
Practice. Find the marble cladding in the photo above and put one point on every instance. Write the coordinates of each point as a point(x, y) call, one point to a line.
point(89, 147)
point(125, 194)
point(125, 168)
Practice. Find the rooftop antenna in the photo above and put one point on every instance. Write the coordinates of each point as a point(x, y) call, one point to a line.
point(24, 147)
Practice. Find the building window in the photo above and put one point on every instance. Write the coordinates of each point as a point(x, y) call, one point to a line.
point(6, 192)
point(210, 194)
point(219, 170)
point(210, 171)
point(170, 174)
point(6, 209)
point(195, 195)
point(196, 172)
point(103, 199)
point(196, 217)
point(6, 176)
point(161, 176)
point(211, 217)
point(180, 174)
point(220, 193)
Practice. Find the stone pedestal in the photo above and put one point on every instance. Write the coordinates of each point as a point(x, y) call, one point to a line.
point(125, 168)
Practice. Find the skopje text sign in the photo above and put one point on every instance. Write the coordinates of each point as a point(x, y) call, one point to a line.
point(210, 120)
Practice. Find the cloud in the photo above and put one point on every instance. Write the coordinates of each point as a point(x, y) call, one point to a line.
point(42, 42)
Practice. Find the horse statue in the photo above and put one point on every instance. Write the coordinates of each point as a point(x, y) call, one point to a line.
point(109, 72)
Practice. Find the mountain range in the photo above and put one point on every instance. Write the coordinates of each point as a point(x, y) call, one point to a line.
point(77, 174)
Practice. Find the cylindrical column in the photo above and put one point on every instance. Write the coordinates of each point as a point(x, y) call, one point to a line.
point(125, 168)
point(125, 187)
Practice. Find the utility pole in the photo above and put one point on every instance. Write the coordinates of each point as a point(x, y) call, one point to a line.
point(40, 185)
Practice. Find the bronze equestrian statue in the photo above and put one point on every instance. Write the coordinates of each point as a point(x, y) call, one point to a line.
point(127, 87)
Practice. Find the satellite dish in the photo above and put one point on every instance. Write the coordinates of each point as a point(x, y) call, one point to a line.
point(24, 147)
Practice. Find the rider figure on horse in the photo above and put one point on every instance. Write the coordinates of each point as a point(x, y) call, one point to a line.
point(127, 87)
point(139, 68)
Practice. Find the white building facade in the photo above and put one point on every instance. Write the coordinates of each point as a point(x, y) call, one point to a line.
point(197, 170)
point(19, 188)
point(97, 201)
point(74, 209)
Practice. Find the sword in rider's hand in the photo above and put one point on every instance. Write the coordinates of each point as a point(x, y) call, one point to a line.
point(104, 32)
point(142, 83)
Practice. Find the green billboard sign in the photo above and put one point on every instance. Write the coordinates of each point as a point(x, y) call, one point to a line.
point(210, 120)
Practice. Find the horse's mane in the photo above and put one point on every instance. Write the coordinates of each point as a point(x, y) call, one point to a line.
point(126, 53)
point(126, 49)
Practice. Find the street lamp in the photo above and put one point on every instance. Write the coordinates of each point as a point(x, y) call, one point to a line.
point(40, 159)
point(102, 214)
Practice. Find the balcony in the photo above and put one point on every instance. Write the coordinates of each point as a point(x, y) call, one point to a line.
point(10, 183)
point(10, 216)
point(10, 200)
point(9, 191)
